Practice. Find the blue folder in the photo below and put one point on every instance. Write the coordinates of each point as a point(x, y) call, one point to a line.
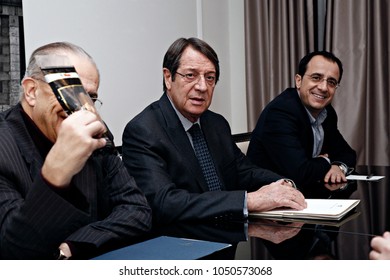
point(165, 248)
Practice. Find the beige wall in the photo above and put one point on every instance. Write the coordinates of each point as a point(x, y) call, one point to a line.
point(128, 40)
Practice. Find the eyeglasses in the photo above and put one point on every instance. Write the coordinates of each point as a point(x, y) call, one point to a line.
point(317, 78)
point(98, 103)
point(195, 77)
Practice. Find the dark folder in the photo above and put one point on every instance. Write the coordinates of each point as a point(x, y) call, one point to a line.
point(165, 248)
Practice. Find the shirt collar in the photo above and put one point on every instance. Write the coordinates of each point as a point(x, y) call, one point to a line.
point(320, 119)
point(184, 121)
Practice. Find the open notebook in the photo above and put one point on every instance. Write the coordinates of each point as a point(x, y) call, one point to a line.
point(319, 209)
point(351, 215)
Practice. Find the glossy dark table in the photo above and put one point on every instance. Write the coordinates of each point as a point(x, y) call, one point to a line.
point(348, 241)
point(267, 239)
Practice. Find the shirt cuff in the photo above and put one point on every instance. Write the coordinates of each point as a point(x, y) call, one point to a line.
point(291, 182)
point(342, 166)
point(327, 159)
point(245, 206)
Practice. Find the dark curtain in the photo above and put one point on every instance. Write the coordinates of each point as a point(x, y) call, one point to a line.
point(358, 31)
point(279, 33)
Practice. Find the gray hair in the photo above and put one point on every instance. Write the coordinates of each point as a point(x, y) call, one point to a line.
point(33, 69)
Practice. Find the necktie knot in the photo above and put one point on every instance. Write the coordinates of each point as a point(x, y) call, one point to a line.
point(204, 158)
point(195, 131)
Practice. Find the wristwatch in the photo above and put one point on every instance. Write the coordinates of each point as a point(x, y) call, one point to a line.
point(343, 168)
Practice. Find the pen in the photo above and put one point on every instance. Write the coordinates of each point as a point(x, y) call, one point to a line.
point(370, 176)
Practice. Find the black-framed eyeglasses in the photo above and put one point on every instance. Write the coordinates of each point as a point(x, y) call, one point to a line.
point(98, 103)
point(318, 78)
point(191, 77)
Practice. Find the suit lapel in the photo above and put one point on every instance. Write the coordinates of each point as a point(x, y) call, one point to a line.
point(86, 182)
point(308, 132)
point(180, 141)
point(23, 140)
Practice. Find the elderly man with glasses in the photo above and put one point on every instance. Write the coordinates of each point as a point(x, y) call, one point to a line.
point(61, 197)
point(182, 154)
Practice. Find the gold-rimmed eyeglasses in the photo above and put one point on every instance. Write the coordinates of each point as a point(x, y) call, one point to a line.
point(318, 78)
point(192, 77)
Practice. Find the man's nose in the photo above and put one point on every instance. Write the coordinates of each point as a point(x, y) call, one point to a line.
point(323, 85)
point(201, 83)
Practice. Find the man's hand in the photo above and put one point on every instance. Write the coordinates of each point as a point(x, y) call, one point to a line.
point(335, 175)
point(336, 186)
point(275, 195)
point(272, 231)
point(78, 137)
point(380, 247)
point(64, 248)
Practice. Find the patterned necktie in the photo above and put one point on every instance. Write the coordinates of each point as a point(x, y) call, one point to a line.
point(204, 158)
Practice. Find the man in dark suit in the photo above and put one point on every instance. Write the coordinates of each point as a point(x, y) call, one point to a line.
point(158, 148)
point(59, 197)
point(297, 135)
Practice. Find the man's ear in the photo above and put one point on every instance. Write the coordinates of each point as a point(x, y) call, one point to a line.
point(298, 80)
point(167, 78)
point(30, 87)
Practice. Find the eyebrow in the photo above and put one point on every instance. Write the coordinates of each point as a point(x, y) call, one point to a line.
point(196, 70)
point(93, 94)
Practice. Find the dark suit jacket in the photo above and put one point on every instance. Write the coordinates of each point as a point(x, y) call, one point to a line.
point(157, 150)
point(104, 206)
point(283, 141)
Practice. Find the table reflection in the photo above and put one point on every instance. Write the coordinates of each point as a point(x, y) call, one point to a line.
point(350, 239)
point(282, 239)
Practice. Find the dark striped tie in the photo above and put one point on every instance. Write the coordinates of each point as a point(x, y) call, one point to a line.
point(204, 158)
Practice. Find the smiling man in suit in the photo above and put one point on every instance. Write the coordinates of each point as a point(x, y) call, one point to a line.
point(58, 197)
point(297, 133)
point(160, 147)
